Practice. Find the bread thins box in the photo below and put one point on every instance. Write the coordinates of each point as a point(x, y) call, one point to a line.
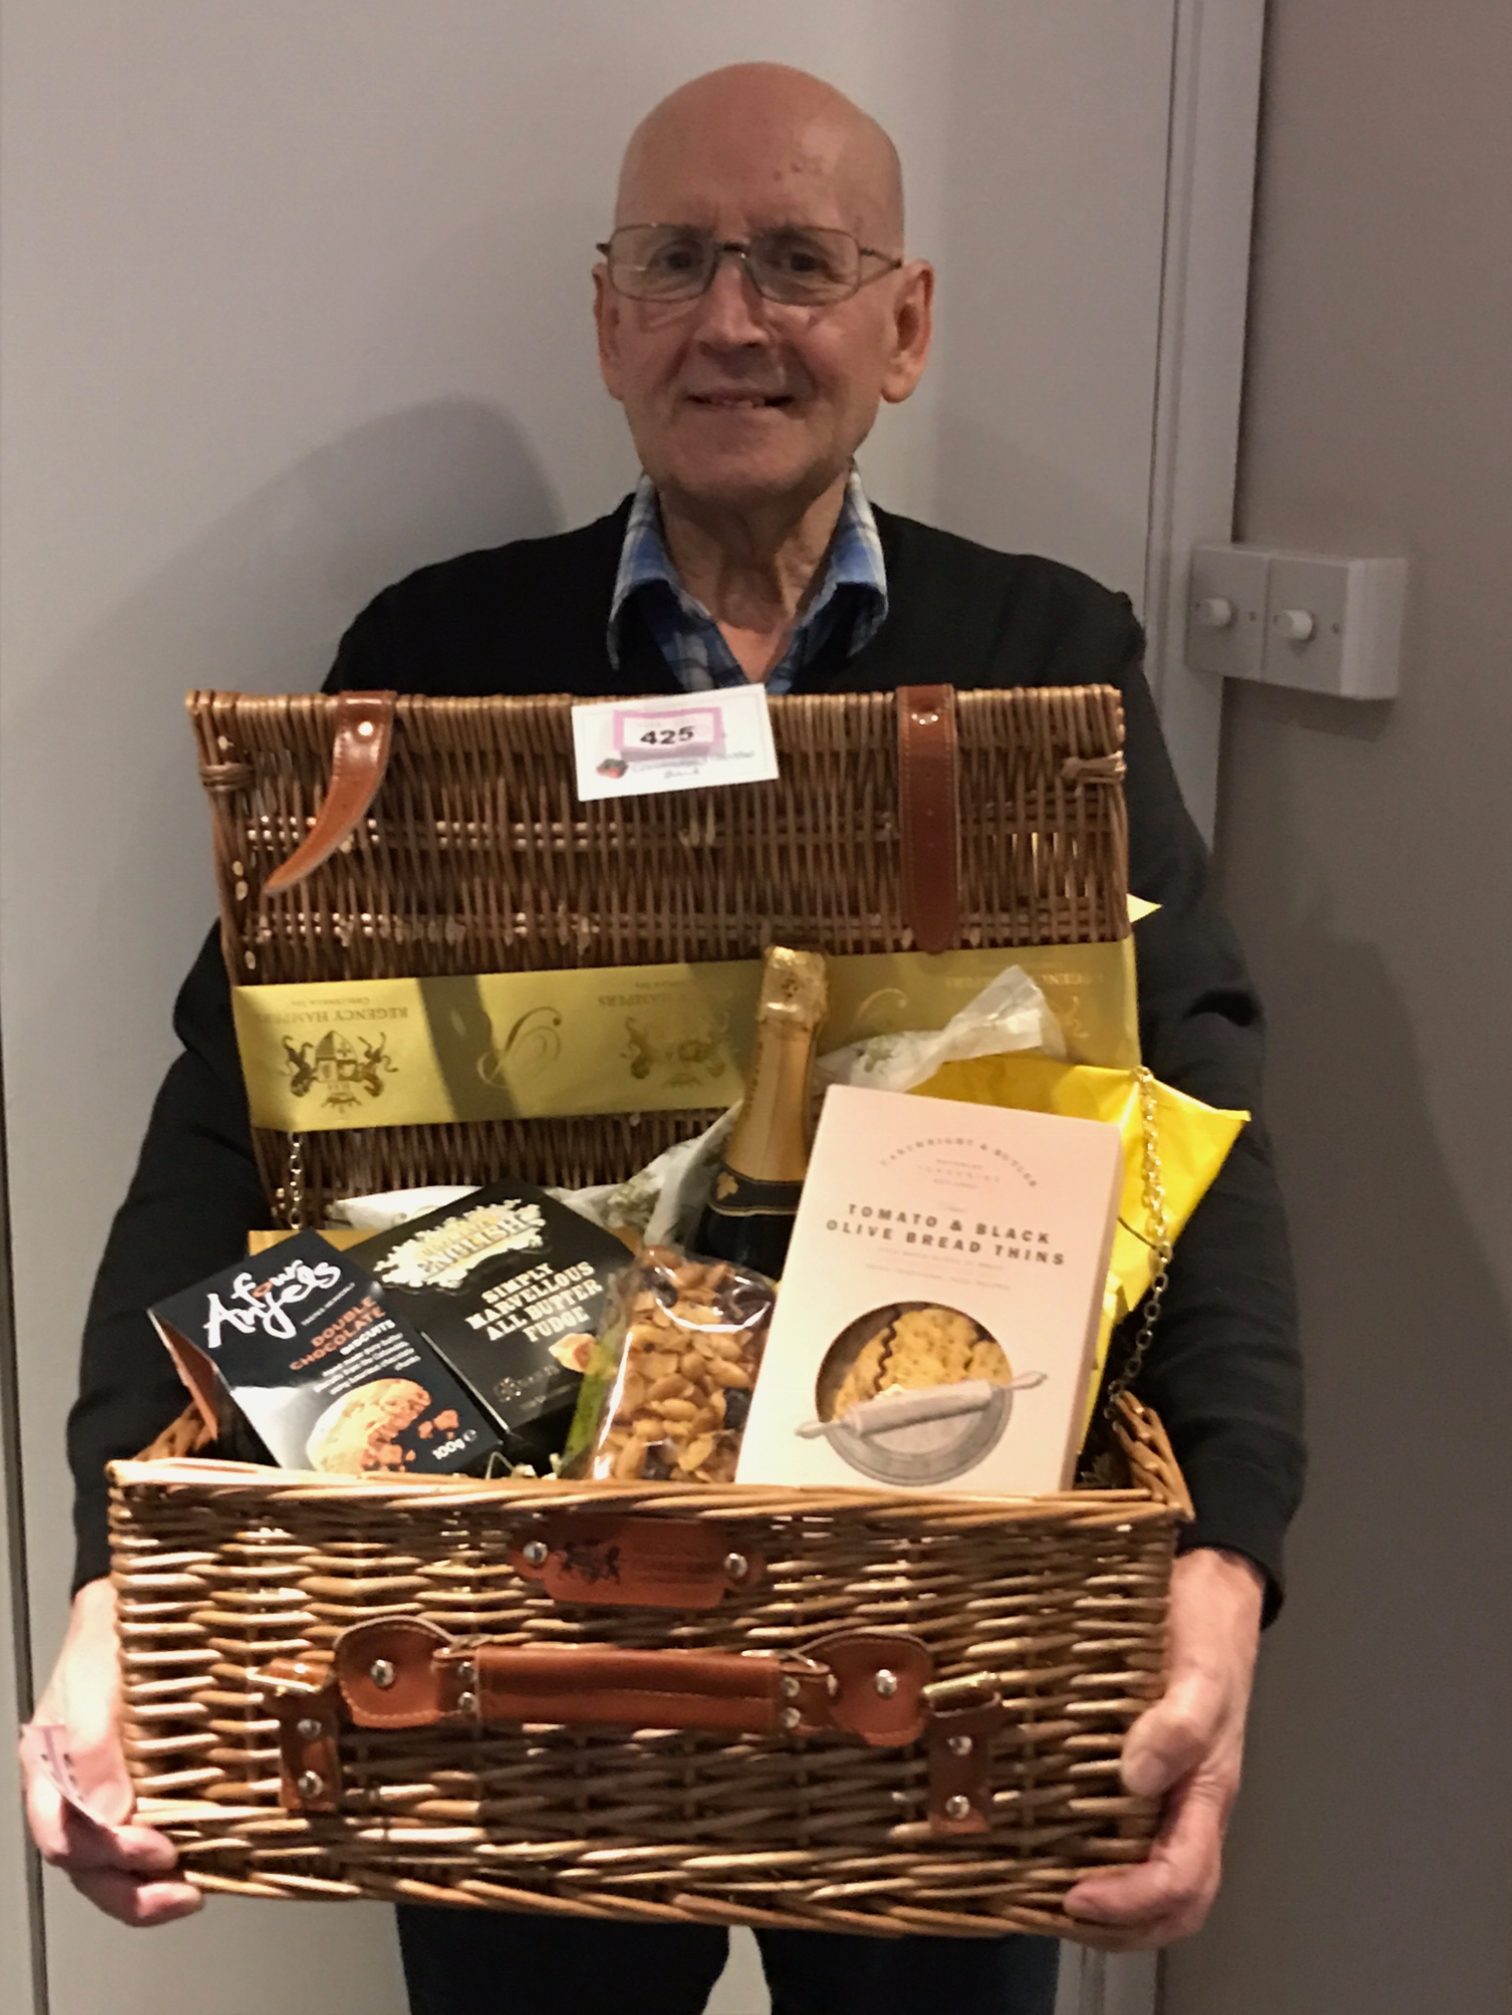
point(939, 1306)
point(508, 1286)
point(301, 1343)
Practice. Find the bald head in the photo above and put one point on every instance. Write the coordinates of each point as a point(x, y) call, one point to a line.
point(794, 148)
point(747, 401)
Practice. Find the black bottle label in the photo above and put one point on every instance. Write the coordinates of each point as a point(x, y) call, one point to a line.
point(749, 1221)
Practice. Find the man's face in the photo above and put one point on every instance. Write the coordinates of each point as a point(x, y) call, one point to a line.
point(735, 401)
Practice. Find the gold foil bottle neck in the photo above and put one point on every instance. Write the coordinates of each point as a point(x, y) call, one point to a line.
point(794, 987)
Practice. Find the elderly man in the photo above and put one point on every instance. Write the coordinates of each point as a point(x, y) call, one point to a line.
point(754, 306)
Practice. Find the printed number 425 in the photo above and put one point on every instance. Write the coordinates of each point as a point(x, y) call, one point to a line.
point(667, 738)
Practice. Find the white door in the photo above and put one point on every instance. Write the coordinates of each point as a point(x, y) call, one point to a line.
point(295, 300)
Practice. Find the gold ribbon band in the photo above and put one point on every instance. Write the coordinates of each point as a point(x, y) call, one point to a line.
point(528, 1045)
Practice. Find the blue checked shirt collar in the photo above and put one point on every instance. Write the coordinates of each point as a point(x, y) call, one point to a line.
point(853, 591)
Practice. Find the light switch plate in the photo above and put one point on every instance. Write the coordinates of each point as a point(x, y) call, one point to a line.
point(1236, 575)
point(1355, 607)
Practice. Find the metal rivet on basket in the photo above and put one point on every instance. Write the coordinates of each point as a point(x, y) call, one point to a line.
point(382, 1673)
point(535, 1553)
point(310, 1730)
point(886, 1683)
point(466, 1702)
point(366, 728)
point(790, 1688)
point(736, 1566)
point(959, 1745)
point(791, 1717)
point(467, 1672)
point(958, 1807)
point(310, 1784)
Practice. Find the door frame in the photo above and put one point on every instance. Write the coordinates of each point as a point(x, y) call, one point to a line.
point(20, 1870)
point(1217, 48)
point(1216, 59)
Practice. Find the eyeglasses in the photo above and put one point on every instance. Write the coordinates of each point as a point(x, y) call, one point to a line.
point(803, 265)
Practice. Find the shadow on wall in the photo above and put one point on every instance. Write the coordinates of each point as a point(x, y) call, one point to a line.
point(1357, 1876)
point(258, 603)
point(401, 491)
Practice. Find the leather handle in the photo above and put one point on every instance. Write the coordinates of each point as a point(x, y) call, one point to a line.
point(364, 742)
point(929, 816)
point(407, 1672)
point(401, 1672)
point(715, 1692)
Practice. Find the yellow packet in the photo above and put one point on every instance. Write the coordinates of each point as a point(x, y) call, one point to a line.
point(1193, 1140)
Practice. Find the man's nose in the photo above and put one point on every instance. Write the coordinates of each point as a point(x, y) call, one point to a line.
point(733, 311)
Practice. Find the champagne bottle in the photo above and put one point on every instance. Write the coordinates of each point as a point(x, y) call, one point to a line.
point(749, 1216)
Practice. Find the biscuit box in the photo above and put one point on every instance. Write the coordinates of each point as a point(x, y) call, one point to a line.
point(939, 1306)
point(508, 1285)
point(300, 1344)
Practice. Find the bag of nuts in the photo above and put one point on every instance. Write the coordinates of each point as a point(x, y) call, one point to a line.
point(669, 1382)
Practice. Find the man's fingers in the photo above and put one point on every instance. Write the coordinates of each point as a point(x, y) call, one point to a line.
point(100, 1769)
point(1176, 1886)
point(45, 1812)
point(69, 1841)
point(1151, 1934)
point(136, 1850)
point(80, 1846)
point(132, 1901)
point(1173, 1737)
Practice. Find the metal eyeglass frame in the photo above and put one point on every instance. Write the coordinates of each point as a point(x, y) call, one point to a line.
point(738, 248)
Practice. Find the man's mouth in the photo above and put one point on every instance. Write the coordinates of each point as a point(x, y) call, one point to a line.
point(741, 401)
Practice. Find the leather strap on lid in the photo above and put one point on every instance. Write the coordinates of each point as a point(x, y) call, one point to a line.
point(364, 739)
point(929, 816)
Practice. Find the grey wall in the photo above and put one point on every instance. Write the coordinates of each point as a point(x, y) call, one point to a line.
point(1367, 859)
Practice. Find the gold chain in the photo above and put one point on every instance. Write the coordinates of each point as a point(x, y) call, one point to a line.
point(294, 1191)
point(1160, 1243)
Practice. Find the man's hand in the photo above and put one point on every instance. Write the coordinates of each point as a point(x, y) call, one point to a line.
point(1189, 1745)
point(118, 1866)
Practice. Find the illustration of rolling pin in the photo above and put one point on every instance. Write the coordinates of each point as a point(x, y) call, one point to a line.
point(899, 1408)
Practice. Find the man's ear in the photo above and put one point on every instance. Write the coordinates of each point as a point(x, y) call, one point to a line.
point(606, 321)
point(912, 325)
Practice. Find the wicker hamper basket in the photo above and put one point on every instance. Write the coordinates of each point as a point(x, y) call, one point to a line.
point(848, 1710)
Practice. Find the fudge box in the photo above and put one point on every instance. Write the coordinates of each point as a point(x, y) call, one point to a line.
point(508, 1285)
point(939, 1306)
point(300, 1344)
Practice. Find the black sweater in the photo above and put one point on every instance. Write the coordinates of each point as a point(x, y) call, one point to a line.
point(531, 618)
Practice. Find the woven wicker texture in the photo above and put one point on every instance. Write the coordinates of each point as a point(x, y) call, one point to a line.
point(220, 1569)
point(477, 857)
